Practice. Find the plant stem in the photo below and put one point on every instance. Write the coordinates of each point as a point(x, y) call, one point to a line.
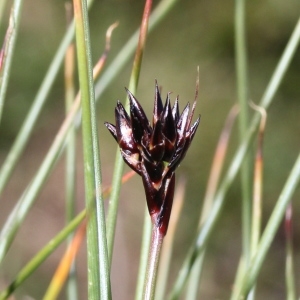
point(146, 242)
point(242, 92)
point(98, 266)
point(8, 49)
point(70, 164)
point(153, 259)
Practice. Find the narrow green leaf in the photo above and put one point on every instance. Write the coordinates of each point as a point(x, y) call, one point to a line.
point(98, 265)
point(70, 163)
point(8, 50)
point(143, 256)
point(242, 93)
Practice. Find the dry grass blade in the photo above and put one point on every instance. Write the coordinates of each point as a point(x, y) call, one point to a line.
point(258, 181)
point(63, 269)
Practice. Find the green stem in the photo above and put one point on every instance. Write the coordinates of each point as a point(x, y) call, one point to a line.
point(9, 46)
point(146, 241)
point(98, 265)
point(153, 259)
point(70, 164)
point(242, 82)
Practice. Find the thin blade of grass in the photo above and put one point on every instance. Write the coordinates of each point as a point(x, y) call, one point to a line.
point(97, 258)
point(62, 271)
point(145, 246)
point(71, 137)
point(214, 176)
point(257, 194)
point(7, 51)
point(235, 165)
point(70, 164)
point(242, 92)
point(258, 183)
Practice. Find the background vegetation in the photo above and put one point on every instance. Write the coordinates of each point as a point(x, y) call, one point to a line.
point(193, 33)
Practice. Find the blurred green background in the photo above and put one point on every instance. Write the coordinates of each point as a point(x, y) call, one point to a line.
point(193, 33)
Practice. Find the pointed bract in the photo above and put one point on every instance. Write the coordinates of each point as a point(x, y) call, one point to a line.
point(112, 130)
point(175, 110)
point(158, 106)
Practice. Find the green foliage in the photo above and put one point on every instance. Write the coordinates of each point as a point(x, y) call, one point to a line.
point(179, 38)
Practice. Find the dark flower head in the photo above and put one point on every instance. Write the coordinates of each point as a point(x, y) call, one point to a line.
point(155, 151)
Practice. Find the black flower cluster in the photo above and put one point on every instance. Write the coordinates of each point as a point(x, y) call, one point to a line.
point(154, 152)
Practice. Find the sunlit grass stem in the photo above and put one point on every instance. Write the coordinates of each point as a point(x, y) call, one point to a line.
point(97, 256)
point(70, 164)
point(65, 265)
point(145, 247)
point(152, 266)
point(257, 189)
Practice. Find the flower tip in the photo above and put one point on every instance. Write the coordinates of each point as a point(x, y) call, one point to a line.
point(132, 100)
point(112, 129)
